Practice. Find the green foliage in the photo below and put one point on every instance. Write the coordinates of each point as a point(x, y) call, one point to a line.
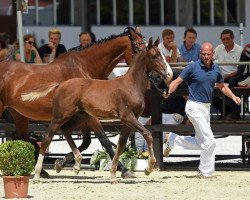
point(128, 158)
point(17, 158)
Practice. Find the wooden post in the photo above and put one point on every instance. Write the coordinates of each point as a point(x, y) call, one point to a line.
point(156, 99)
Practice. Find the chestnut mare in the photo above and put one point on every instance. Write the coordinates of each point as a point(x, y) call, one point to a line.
point(96, 61)
point(121, 98)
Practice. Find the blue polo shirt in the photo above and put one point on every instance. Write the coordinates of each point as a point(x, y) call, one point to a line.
point(201, 80)
point(190, 55)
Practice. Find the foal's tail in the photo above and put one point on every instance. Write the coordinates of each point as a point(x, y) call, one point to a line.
point(40, 92)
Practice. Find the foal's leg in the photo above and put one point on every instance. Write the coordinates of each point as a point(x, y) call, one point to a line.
point(131, 121)
point(120, 148)
point(100, 134)
point(53, 127)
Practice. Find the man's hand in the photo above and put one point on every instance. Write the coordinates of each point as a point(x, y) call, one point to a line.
point(51, 45)
point(237, 100)
point(165, 94)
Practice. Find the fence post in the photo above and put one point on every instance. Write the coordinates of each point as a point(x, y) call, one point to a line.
point(156, 98)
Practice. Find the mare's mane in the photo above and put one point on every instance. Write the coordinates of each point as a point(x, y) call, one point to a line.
point(111, 37)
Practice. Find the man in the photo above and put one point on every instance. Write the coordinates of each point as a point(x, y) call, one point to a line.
point(189, 50)
point(228, 51)
point(85, 39)
point(168, 46)
point(53, 49)
point(201, 77)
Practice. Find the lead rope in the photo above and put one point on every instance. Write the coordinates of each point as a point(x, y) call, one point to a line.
point(155, 84)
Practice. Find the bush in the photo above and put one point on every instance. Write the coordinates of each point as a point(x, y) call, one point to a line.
point(17, 158)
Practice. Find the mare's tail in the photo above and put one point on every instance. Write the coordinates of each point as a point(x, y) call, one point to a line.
point(40, 92)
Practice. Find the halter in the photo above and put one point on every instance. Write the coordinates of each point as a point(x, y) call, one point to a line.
point(155, 82)
point(134, 43)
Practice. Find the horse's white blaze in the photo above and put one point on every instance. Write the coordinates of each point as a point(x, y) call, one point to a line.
point(169, 71)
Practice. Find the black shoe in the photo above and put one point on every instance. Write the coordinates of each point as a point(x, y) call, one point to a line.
point(233, 117)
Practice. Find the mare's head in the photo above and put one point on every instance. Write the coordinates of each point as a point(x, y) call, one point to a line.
point(137, 43)
point(156, 61)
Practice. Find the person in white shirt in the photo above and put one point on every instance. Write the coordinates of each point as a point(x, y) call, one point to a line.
point(228, 51)
point(168, 46)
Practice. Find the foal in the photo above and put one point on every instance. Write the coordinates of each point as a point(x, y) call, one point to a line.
point(121, 98)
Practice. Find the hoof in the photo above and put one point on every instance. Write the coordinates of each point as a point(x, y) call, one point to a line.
point(44, 174)
point(76, 170)
point(128, 174)
point(147, 171)
point(114, 181)
point(58, 166)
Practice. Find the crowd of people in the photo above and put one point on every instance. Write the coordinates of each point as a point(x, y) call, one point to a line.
point(201, 74)
point(46, 53)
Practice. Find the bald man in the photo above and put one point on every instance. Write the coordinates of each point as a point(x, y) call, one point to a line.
point(201, 76)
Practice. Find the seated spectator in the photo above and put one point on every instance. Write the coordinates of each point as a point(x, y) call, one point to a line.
point(15, 45)
point(31, 54)
point(242, 77)
point(3, 50)
point(85, 39)
point(189, 49)
point(10, 53)
point(53, 49)
point(168, 46)
point(228, 51)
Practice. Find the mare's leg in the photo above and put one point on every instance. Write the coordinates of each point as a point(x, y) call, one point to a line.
point(61, 163)
point(120, 148)
point(131, 121)
point(22, 124)
point(86, 140)
point(76, 153)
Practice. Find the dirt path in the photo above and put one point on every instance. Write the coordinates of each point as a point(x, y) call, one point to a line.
point(167, 185)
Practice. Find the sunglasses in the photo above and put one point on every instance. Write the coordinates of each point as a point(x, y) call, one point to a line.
point(30, 42)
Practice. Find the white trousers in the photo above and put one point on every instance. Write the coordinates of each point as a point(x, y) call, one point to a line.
point(199, 115)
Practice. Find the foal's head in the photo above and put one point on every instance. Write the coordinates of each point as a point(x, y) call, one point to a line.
point(156, 61)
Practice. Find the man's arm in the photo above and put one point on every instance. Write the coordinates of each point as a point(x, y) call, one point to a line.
point(172, 87)
point(226, 91)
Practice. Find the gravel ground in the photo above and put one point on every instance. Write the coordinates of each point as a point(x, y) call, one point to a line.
point(95, 185)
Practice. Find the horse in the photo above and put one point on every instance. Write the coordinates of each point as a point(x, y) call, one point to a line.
point(121, 98)
point(96, 61)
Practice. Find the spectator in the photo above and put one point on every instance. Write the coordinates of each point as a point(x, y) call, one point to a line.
point(168, 46)
point(3, 50)
point(15, 45)
point(201, 77)
point(243, 72)
point(10, 53)
point(53, 49)
point(30, 52)
point(189, 50)
point(93, 38)
point(85, 39)
point(228, 51)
